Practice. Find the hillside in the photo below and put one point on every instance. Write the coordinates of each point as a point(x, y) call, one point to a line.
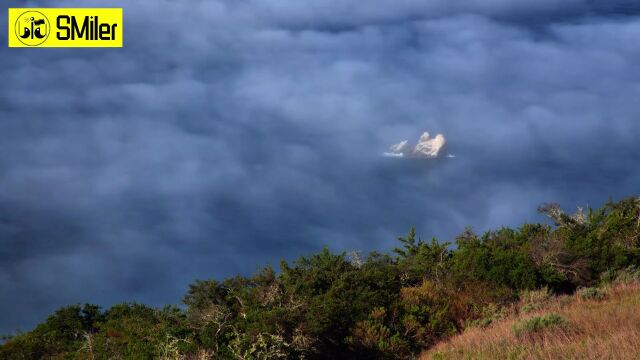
point(566, 290)
point(592, 324)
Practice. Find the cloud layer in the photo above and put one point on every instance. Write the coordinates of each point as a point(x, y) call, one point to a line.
point(227, 134)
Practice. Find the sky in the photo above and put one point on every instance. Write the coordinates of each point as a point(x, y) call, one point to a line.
point(230, 134)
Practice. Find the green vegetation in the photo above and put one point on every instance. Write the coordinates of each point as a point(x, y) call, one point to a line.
point(382, 306)
point(534, 299)
point(591, 293)
point(539, 323)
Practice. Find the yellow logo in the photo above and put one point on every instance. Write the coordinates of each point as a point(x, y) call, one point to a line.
point(65, 27)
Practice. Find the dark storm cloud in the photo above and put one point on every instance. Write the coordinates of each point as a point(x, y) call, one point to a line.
point(229, 134)
point(340, 15)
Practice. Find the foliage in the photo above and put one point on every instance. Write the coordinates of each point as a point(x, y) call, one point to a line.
point(590, 293)
point(629, 274)
point(373, 338)
point(539, 323)
point(339, 305)
point(534, 299)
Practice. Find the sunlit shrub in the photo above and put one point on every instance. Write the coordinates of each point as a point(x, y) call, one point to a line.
point(590, 293)
point(540, 323)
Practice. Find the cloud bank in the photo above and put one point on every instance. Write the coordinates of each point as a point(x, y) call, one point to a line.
point(251, 135)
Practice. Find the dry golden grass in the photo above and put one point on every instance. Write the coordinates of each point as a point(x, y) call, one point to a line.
point(597, 329)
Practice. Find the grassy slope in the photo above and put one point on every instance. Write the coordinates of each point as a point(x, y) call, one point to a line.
point(597, 329)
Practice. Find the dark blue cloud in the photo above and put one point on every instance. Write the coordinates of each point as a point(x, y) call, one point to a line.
point(231, 134)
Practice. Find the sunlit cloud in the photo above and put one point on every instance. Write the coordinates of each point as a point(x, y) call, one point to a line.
point(426, 148)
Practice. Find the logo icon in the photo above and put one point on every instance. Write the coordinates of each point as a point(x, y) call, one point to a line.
point(65, 27)
point(32, 28)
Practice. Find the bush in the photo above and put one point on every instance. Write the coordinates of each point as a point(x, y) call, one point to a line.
point(479, 323)
point(429, 312)
point(527, 308)
point(489, 314)
point(535, 296)
point(540, 323)
point(534, 299)
point(630, 274)
point(374, 339)
point(608, 276)
point(590, 293)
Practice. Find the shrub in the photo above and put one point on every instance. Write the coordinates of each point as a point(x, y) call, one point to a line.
point(540, 323)
point(260, 347)
point(535, 296)
point(534, 299)
point(630, 274)
point(429, 312)
point(488, 314)
point(527, 308)
point(169, 349)
point(590, 293)
point(608, 276)
point(374, 339)
point(480, 323)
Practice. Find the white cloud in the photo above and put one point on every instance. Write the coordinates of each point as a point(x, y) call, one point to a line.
point(427, 147)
